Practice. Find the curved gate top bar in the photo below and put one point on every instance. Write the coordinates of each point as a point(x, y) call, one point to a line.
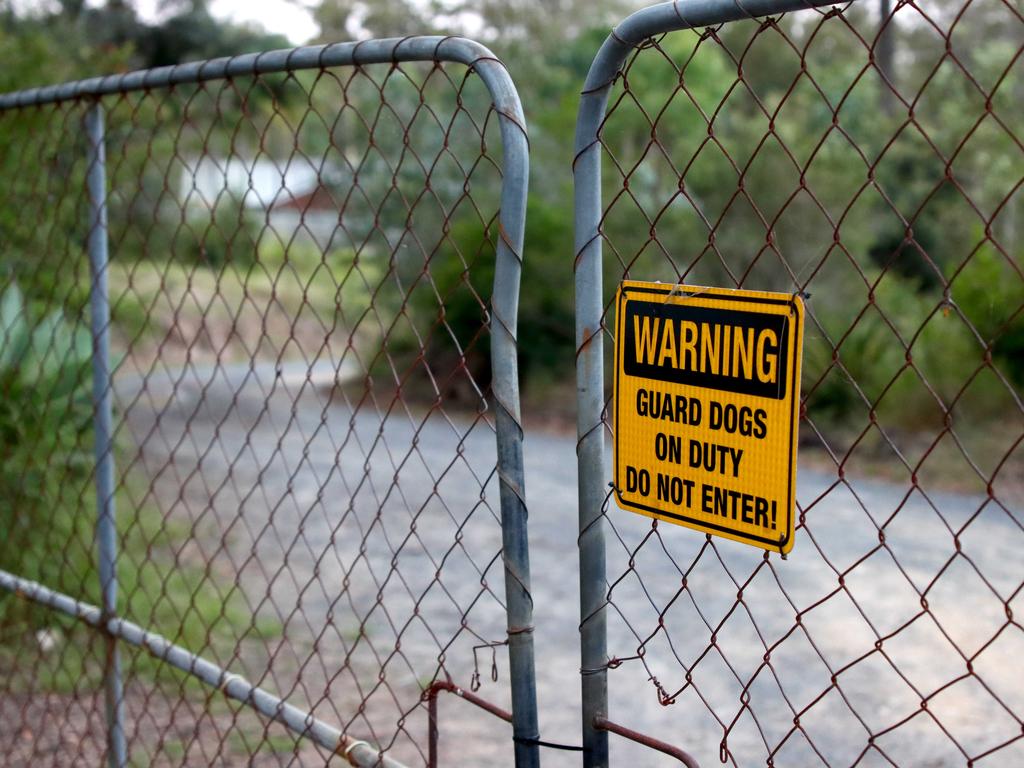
point(503, 315)
point(392, 50)
point(607, 64)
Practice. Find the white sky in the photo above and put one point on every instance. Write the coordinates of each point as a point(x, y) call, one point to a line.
point(287, 17)
point(291, 18)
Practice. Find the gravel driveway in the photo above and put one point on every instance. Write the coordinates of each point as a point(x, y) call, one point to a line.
point(369, 533)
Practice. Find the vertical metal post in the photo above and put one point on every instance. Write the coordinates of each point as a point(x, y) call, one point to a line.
point(106, 524)
point(432, 734)
point(885, 55)
point(590, 457)
point(505, 387)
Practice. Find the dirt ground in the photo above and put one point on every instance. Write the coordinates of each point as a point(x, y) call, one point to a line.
point(370, 536)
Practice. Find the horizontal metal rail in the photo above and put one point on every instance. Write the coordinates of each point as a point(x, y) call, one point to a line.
point(384, 51)
point(604, 724)
point(437, 686)
point(358, 753)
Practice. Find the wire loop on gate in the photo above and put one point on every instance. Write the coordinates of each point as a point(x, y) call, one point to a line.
point(549, 744)
point(226, 679)
point(353, 743)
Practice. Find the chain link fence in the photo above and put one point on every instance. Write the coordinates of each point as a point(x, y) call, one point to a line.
point(869, 157)
point(257, 318)
point(261, 463)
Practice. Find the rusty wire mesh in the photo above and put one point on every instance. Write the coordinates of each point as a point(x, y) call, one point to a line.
point(871, 157)
point(300, 281)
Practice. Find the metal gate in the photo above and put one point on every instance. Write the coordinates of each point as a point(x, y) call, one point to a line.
point(260, 408)
point(869, 158)
point(294, 279)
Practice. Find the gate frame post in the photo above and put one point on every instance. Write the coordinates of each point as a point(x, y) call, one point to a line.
point(590, 386)
point(102, 396)
point(508, 419)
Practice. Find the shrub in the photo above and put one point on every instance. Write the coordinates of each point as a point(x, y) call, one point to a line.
point(45, 429)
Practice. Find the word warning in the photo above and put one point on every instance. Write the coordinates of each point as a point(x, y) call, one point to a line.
point(707, 397)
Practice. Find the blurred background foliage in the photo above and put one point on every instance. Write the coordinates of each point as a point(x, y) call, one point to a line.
point(783, 161)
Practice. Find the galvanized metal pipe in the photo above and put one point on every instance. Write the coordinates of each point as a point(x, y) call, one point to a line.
point(431, 695)
point(648, 741)
point(590, 389)
point(102, 395)
point(236, 687)
point(383, 51)
point(505, 389)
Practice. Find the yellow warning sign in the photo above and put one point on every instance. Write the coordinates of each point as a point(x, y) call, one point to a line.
point(707, 398)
